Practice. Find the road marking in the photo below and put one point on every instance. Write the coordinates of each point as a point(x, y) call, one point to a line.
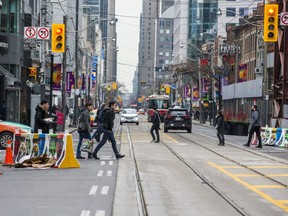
point(251, 187)
point(109, 173)
point(266, 167)
point(102, 163)
point(269, 186)
point(110, 163)
point(232, 167)
point(85, 213)
point(105, 190)
point(283, 201)
point(100, 213)
point(93, 190)
point(170, 138)
point(277, 175)
point(100, 173)
point(247, 175)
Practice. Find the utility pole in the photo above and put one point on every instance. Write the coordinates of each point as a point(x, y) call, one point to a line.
point(64, 76)
point(43, 44)
point(76, 62)
point(51, 82)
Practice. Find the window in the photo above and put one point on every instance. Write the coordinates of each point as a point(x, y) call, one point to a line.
point(167, 54)
point(161, 31)
point(161, 61)
point(161, 38)
point(161, 53)
point(241, 11)
point(230, 12)
point(167, 62)
point(167, 23)
point(167, 31)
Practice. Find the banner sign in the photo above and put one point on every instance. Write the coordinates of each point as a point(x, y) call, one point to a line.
point(205, 85)
point(94, 63)
point(70, 81)
point(57, 76)
point(195, 93)
point(242, 72)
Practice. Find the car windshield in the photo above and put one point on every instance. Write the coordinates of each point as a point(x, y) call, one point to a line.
point(130, 111)
point(178, 112)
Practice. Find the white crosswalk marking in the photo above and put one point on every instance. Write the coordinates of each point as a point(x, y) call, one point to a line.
point(100, 173)
point(105, 190)
point(85, 213)
point(100, 213)
point(93, 190)
point(102, 163)
point(109, 173)
point(110, 163)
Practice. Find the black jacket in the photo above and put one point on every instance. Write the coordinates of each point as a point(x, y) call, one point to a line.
point(40, 123)
point(108, 118)
point(220, 123)
point(156, 118)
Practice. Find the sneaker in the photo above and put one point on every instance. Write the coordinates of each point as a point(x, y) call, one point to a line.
point(94, 155)
point(156, 142)
point(258, 146)
point(120, 156)
point(80, 157)
point(247, 145)
point(152, 141)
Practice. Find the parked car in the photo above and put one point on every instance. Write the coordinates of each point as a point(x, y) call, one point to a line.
point(129, 116)
point(177, 119)
point(93, 115)
point(7, 129)
point(141, 111)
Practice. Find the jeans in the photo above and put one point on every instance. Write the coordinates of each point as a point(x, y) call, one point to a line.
point(107, 135)
point(81, 137)
point(156, 128)
point(257, 130)
point(98, 132)
point(220, 135)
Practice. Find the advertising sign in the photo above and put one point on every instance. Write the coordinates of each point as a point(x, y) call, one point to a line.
point(57, 76)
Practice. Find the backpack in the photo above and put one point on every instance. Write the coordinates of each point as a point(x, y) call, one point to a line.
point(81, 123)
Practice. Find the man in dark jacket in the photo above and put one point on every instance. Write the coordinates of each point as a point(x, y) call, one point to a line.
point(255, 126)
point(99, 120)
point(42, 120)
point(108, 123)
point(155, 126)
point(84, 129)
point(220, 127)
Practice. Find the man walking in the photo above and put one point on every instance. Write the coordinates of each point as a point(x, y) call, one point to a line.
point(220, 128)
point(108, 123)
point(155, 126)
point(99, 120)
point(84, 129)
point(255, 127)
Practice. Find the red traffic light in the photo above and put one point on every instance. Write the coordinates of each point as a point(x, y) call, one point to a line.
point(59, 30)
point(271, 11)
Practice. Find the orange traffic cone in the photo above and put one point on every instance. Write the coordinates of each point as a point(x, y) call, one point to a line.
point(8, 157)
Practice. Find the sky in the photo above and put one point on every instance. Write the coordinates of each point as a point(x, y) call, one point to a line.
point(128, 14)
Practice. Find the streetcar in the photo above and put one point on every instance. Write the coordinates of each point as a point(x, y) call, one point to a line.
point(161, 102)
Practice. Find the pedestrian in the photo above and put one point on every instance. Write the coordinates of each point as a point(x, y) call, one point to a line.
point(255, 126)
point(220, 128)
point(108, 123)
point(42, 120)
point(155, 126)
point(84, 129)
point(99, 119)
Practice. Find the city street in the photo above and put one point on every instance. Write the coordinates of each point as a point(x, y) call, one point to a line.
point(185, 174)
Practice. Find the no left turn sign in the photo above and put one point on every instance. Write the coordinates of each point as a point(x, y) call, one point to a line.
point(284, 19)
point(43, 33)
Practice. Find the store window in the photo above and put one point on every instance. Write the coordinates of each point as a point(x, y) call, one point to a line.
point(230, 12)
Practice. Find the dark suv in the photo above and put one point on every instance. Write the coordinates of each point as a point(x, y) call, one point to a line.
point(177, 119)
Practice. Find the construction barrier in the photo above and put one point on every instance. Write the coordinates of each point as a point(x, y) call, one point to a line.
point(59, 146)
point(274, 136)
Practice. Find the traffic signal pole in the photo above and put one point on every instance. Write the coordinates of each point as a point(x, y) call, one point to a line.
point(51, 83)
point(76, 63)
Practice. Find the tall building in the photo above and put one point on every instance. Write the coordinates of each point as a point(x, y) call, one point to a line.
point(151, 11)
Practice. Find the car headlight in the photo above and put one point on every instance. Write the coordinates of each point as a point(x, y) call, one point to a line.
point(24, 130)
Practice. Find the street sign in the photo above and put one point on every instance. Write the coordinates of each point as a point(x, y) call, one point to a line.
point(43, 33)
point(284, 19)
point(30, 44)
point(30, 32)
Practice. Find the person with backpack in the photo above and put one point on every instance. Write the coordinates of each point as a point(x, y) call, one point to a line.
point(99, 120)
point(108, 124)
point(84, 129)
point(220, 128)
point(155, 126)
point(255, 127)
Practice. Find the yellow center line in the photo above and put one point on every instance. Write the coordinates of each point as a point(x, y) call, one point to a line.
point(251, 187)
point(269, 186)
point(247, 175)
point(266, 167)
point(283, 201)
point(234, 167)
point(170, 138)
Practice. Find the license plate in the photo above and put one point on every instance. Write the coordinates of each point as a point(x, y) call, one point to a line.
point(171, 124)
point(178, 118)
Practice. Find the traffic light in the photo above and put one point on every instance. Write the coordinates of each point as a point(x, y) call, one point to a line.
point(271, 22)
point(108, 88)
point(162, 87)
point(33, 73)
point(167, 90)
point(114, 85)
point(58, 38)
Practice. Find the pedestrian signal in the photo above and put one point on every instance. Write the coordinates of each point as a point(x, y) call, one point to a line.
point(108, 87)
point(162, 87)
point(58, 38)
point(167, 90)
point(271, 22)
point(33, 73)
